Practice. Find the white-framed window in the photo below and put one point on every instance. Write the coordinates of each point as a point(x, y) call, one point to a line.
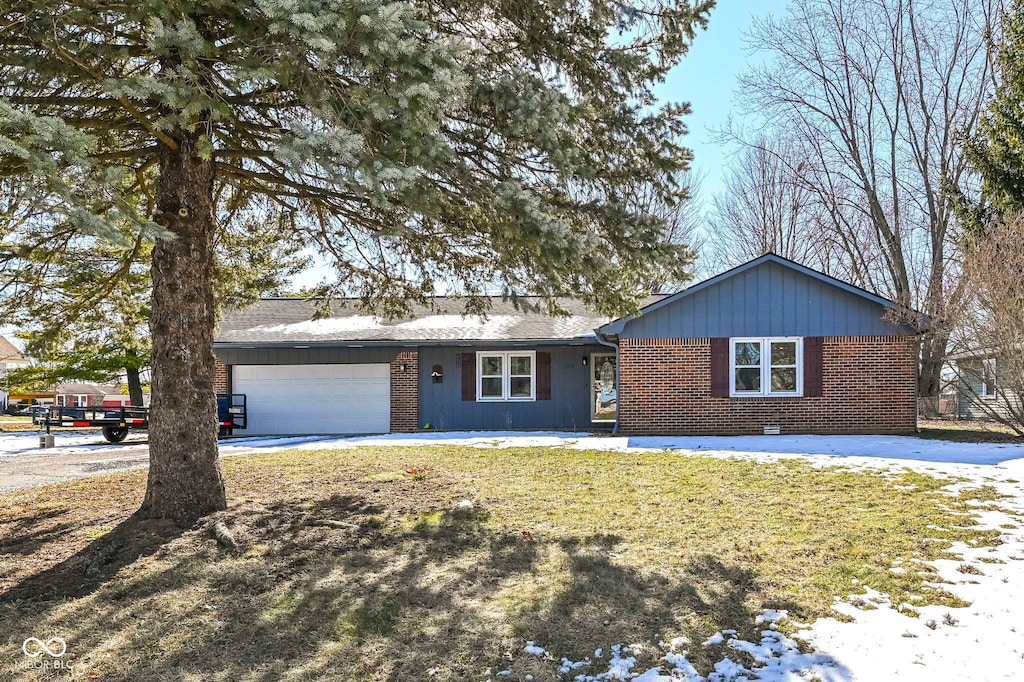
point(81, 401)
point(506, 375)
point(60, 401)
point(766, 366)
point(988, 378)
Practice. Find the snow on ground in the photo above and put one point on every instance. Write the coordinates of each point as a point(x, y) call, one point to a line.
point(984, 641)
point(65, 443)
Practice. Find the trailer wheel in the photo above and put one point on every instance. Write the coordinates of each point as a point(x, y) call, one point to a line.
point(115, 434)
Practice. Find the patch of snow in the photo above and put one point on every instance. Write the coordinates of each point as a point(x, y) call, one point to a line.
point(326, 325)
point(771, 616)
point(568, 666)
point(652, 675)
point(65, 442)
point(776, 658)
point(534, 650)
point(621, 664)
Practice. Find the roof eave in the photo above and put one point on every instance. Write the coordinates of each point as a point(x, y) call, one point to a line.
point(421, 343)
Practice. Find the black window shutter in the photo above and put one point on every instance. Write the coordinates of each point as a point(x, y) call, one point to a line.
point(469, 376)
point(720, 368)
point(812, 366)
point(543, 376)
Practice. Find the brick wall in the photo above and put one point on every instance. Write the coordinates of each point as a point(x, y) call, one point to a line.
point(221, 377)
point(868, 387)
point(405, 402)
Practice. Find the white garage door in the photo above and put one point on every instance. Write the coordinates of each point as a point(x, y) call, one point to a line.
point(305, 399)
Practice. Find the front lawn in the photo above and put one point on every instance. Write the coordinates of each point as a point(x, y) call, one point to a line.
point(369, 564)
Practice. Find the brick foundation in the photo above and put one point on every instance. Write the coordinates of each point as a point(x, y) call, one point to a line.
point(221, 377)
point(868, 387)
point(405, 400)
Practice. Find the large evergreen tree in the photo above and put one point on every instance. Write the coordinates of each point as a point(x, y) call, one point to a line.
point(996, 151)
point(483, 145)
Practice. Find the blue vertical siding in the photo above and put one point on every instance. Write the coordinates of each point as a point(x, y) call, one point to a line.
point(442, 407)
point(767, 300)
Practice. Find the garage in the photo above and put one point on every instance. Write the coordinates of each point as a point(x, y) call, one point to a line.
point(307, 399)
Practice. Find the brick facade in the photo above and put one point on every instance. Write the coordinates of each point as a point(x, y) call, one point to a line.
point(221, 377)
point(869, 387)
point(405, 399)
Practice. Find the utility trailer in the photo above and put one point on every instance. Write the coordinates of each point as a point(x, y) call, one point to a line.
point(116, 421)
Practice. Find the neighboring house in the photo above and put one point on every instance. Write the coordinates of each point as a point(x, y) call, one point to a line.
point(80, 394)
point(10, 358)
point(119, 399)
point(767, 345)
point(980, 393)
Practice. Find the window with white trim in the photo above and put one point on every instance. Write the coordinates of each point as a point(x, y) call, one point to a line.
point(510, 375)
point(81, 401)
point(767, 366)
point(988, 378)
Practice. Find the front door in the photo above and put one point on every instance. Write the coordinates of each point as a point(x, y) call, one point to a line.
point(604, 388)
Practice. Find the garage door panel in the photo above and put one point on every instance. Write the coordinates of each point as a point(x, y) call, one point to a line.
point(305, 399)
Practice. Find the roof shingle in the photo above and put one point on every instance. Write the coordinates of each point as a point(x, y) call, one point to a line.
point(289, 320)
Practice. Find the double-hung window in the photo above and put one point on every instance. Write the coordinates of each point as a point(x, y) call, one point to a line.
point(81, 401)
point(506, 375)
point(988, 378)
point(770, 366)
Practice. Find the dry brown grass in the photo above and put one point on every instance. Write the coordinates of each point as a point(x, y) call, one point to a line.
point(966, 431)
point(357, 564)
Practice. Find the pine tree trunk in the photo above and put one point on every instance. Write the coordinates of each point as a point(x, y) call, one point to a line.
point(185, 481)
point(134, 379)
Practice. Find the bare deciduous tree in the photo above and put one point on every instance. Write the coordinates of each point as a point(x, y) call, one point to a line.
point(766, 208)
point(989, 336)
point(875, 94)
point(682, 221)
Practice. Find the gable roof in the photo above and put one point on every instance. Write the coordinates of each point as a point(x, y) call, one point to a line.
point(616, 326)
point(9, 353)
point(289, 321)
point(83, 388)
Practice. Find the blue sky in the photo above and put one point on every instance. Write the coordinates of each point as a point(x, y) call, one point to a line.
point(706, 78)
